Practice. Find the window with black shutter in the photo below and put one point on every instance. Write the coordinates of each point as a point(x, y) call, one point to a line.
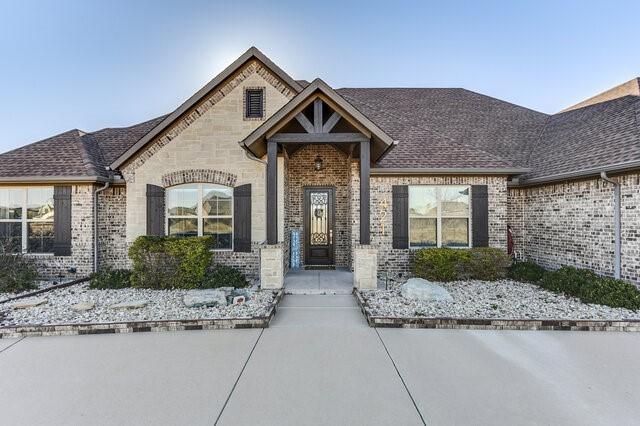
point(254, 103)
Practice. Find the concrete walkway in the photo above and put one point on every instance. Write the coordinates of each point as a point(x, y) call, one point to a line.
point(319, 363)
point(318, 281)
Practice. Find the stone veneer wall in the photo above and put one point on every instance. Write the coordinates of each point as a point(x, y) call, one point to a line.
point(398, 261)
point(203, 145)
point(112, 228)
point(571, 223)
point(50, 266)
point(335, 174)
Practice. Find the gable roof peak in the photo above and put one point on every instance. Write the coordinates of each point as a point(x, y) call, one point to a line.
point(251, 53)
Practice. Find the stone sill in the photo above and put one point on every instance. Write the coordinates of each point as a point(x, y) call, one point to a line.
point(140, 326)
point(497, 324)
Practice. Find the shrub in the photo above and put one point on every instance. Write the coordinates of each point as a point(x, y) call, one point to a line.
point(170, 262)
point(591, 288)
point(17, 274)
point(485, 263)
point(438, 264)
point(224, 276)
point(528, 272)
point(110, 279)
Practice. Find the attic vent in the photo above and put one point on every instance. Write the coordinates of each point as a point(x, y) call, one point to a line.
point(254, 103)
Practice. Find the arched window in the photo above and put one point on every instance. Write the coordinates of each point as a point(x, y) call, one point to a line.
point(198, 209)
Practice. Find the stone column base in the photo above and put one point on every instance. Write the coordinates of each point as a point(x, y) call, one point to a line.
point(365, 267)
point(271, 267)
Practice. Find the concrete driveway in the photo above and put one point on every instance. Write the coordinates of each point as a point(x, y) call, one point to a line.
point(320, 364)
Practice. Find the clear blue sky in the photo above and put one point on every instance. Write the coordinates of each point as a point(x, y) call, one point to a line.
point(92, 64)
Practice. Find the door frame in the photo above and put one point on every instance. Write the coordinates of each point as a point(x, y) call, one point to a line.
point(306, 222)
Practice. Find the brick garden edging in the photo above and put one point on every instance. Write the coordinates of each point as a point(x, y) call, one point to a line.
point(496, 324)
point(140, 326)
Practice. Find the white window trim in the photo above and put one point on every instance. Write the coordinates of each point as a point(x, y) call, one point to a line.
point(24, 221)
point(438, 218)
point(200, 216)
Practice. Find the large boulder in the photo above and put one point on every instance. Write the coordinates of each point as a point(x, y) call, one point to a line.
point(419, 289)
point(208, 298)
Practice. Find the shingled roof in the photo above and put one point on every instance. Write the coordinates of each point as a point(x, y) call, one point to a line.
point(73, 155)
point(448, 128)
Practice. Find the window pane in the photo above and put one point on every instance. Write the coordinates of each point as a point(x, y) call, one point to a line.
point(423, 232)
point(455, 232)
point(183, 227)
point(40, 237)
point(40, 203)
point(216, 201)
point(222, 232)
point(10, 237)
point(422, 201)
point(11, 203)
point(455, 201)
point(183, 200)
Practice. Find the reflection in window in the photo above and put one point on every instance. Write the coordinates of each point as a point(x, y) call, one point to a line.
point(201, 209)
point(31, 232)
point(439, 216)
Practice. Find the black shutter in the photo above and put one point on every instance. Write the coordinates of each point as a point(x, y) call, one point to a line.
point(62, 220)
point(242, 218)
point(155, 210)
point(400, 206)
point(480, 220)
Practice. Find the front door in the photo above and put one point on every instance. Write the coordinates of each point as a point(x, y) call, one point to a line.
point(318, 226)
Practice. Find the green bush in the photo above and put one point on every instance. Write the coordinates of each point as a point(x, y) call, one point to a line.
point(110, 279)
point(17, 274)
point(224, 276)
point(485, 263)
point(527, 272)
point(592, 288)
point(439, 264)
point(170, 262)
point(446, 264)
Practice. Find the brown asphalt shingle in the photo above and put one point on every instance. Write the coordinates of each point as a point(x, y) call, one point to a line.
point(435, 128)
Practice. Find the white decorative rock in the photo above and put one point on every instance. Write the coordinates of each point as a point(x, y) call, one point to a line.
point(83, 306)
point(208, 298)
point(419, 289)
point(30, 303)
point(132, 304)
point(239, 300)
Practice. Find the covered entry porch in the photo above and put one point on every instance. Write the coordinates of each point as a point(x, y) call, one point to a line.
point(312, 133)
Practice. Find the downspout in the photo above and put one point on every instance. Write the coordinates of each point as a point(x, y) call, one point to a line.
point(95, 225)
point(617, 218)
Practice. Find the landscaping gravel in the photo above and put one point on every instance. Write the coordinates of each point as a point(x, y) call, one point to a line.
point(161, 305)
point(491, 300)
point(39, 285)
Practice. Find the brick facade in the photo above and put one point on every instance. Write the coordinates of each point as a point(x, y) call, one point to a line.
point(81, 259)
point(572, 223)
point(112, 228)
point(397, 261)
point(335, 174)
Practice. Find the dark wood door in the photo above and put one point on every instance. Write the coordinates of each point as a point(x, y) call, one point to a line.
point(318, 226)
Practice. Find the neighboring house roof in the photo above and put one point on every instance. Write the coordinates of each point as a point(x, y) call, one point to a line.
point(442, 130)
point(631, 87)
